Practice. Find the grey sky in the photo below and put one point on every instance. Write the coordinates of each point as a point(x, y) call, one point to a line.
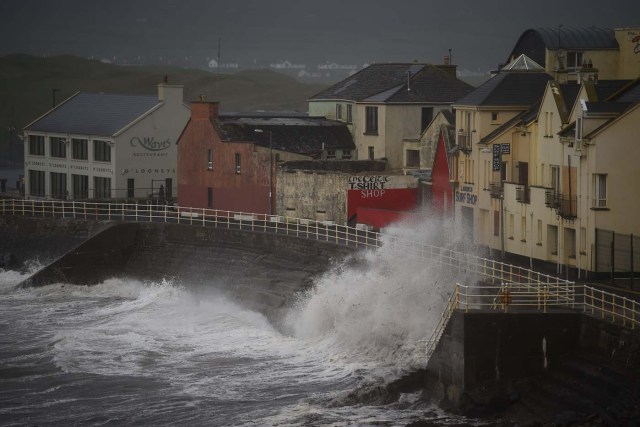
point(480, 32)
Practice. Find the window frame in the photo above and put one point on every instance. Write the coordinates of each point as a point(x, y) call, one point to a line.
point(238, 163)
point(371, 120)
point(36, 145)
point(101, 151)
point(79, 149)
point(57, 147)
point(600, 191)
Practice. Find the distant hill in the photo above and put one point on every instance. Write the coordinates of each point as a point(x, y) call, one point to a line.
point(27, 83)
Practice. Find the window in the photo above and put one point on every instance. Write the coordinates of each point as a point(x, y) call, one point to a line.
point(371, 123)
point(209, 197)
point(79, 149)
point(237, 163)
point(413, 158)
point(101, 187)
point(36, 182)
point(331, 154)
point(346, 154)
point(80, 186)
point(210, 160)
point(101, 151)
point(583, 241)
point(427, 116)
point(36, 145)
point(539, 237)
point(579, 129)
point(349, 113)
point(57, 147)
point(600, 190)
point(494, 117)
point(58, 185)
point(371, 153)
point(523, 229)
point(339, 111)
point(555, 178)
point(496, 223)
point(574, 60)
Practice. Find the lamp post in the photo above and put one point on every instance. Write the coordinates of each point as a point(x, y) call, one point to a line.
point(270, 167)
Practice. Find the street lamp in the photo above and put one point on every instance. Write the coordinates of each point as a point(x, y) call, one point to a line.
point(270, 166)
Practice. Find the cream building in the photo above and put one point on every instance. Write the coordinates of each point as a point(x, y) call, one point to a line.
point(105, 146)
point(481, 170)
point(563, 51)
point(575, 143)
point(386, 104)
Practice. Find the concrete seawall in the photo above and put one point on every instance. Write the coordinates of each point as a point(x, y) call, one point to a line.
point(263, 271)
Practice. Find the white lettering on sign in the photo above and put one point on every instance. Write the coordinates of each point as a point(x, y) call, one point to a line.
point(365, 194)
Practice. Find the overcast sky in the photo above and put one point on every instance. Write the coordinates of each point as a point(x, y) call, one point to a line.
point(480, 33)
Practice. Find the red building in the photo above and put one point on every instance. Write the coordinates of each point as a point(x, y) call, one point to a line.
point(441, 181)
point(227, 161)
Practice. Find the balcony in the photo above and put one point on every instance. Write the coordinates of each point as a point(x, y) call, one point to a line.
point(551, 199)
point(523, 194)
point(566, 206)
point(464, 141)
point(496, 190)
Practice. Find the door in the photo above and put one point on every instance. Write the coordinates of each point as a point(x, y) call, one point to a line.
point(131, 188)
point(168, 188)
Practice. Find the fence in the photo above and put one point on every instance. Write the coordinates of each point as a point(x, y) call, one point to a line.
point(617, 254)
point(504, 286)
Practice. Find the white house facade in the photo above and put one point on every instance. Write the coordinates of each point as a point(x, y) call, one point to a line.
point(104, 146)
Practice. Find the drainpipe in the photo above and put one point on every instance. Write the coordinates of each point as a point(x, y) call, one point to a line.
point(502, 224)
point(531, 243)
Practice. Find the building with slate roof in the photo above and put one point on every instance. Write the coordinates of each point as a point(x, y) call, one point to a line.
point(103, 146)
point(500, 102)
point(557, 178)
point(229, 162)
point(385, 104)
point(564, 51)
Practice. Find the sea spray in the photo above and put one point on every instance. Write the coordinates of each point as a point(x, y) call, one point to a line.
point(378, 305)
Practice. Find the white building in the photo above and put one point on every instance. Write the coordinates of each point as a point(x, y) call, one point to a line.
point(106, 146)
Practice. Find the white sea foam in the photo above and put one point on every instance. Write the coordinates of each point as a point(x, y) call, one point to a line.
point(378, 308)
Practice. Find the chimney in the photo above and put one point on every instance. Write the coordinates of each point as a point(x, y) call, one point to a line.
point(587, 73)
point(170, 93)
point(204, 110)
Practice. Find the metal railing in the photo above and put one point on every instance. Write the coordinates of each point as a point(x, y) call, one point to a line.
point(464, 141)
point(496, 189)
point(523, 194)
point(505, 286)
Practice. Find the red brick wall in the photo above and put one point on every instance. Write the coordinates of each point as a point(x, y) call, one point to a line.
point(247, 191)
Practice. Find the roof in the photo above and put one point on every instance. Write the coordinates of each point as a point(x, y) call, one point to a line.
point(629, 93)
point(604, 89)
point(390, 83)
point(508, 88)
point(301, 135)
point(565, 95)
point(94, 114)
point(607, 107)
point(534, 41)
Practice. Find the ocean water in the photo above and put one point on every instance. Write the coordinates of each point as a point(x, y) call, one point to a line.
point(167, 353)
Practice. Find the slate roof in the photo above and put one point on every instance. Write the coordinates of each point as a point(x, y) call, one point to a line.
point(301, 135)
point(388, 83)
point(577, 38)
point(94, 114)
point(603, 89)
point(508, 88)
point(629, 93)
point(534, 41)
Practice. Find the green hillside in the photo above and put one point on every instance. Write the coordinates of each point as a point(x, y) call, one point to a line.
point(27, 83)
